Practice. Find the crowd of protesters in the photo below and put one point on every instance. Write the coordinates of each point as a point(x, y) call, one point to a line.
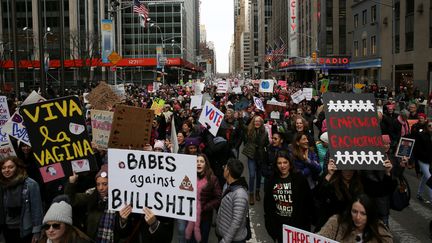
point(302, 186)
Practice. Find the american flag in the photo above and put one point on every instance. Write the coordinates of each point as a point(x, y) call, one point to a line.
point(142, 11)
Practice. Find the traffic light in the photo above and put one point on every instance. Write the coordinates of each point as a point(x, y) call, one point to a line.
point(314, 56)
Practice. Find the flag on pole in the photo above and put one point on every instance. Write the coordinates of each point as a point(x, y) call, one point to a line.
point(142, 11)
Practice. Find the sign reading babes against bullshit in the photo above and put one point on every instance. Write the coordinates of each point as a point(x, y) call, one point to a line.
point(59, 137)
point(163, 182)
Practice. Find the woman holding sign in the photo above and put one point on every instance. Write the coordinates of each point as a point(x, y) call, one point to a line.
point(288, 198)
point(359, 224)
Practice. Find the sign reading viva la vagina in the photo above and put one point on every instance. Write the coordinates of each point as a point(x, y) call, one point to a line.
point(59, 136)
point(166, 183)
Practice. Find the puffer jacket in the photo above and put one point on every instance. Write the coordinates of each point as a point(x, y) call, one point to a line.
point(231, 218)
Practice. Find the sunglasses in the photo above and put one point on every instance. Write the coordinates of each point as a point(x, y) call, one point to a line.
point(55, 226)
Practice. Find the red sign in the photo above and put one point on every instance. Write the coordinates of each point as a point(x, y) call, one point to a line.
point(333, 60)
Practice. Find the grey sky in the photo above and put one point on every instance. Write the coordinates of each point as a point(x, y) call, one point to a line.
point(218, 18)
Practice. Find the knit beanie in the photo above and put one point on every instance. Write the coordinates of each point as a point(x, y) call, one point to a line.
point(60, 212)
point(103, 172)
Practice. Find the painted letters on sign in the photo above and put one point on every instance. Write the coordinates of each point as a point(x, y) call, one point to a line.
point(212, 116)
point(163, 182)
point(291, 234)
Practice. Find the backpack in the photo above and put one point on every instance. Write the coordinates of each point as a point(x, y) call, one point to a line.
point(401, 195)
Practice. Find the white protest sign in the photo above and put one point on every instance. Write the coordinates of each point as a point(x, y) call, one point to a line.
point(237, 90)
point(101, 122)
point(85, 98)
point(292, 234)
point(258, 103)
point(174, 141)
point(166, 183)
point(119, 90)
point(222, 87)
point(276, 103)
point(307, 92)
point(6, 150)
point(212, 116)
point(4, 110)
point(297, 97)
point(15, 125)
point(198, 88)
point(275, 115)
point(196, 101)
point(266, 86)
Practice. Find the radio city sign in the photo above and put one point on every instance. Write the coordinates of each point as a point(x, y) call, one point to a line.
point(333, 60)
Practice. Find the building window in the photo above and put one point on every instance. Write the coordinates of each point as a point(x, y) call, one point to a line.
point(373, 14)
point(409, 25)
point(355, 21)
point(364, 17)
point(397, 26)
point(373, 45)
point(356, 49)
point(364, 47)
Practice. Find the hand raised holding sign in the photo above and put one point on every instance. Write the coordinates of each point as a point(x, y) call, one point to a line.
point(125, 212)
point(388, 167)
point(331, 169)
point(73, 178)
point(150, 218)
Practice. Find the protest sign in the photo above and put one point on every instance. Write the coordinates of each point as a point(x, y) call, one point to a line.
point(58, 134)
point(324, 85)
point(222, 87)
point(355, 141)
point(6, 150)
point(85, 98)
point(166, 183)
point(196, 101)
point(275, 115)
point(258, 103)
point(4, 110)
point(119, 90)
point(297, 97)
point(198, 88)
point(307, 92)
point(103, 97)
point(405, 147)
point(266, 86)
point(282, 83)
point(101, 122)
point(157, 106)
point(174, 140)
point(212, 116)
point(291, 235)
point(131, 127)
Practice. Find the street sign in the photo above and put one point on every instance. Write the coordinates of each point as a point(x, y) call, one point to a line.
point(162, 60)
point(114, 58)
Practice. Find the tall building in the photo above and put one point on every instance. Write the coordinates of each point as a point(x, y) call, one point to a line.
point(203, 34)
point(239, 26)
point(264, 19)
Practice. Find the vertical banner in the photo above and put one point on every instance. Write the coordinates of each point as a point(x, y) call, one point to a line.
point(101, 122)
point(164, 182)
point(355, 141)
point(59, 137)
point(4, 110)
point(292, 28)
point(159, 55)
point(107, 39)
point(324, 85)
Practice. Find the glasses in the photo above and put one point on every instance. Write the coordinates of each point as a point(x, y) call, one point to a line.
point(55, 226)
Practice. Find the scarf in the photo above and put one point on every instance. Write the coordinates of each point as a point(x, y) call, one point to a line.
point(405, 128)
point(12, 196)
point(105, 233)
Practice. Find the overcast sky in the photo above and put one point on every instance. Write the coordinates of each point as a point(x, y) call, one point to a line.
point(218, 18)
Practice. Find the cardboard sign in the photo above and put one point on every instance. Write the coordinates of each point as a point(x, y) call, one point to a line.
point(163, 182)
point(355, 141)
point(196, 101)
point(119, 90)
point(405, 147)
point(6, 150)
point(101, 127)
point(131, 127)
point(307, 92)
point(266, 86)
point(298, 97)
point(291, 235)
point(212, 116)
point(157, 106)
point(4, 110)
point(258, 103)
point(58, 133)
point(103, 97)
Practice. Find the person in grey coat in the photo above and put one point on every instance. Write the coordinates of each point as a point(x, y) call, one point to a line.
point(234, 207)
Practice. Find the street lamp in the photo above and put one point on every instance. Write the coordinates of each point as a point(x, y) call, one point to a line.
point(29, 55)
point(46, 54)
point(163, 49)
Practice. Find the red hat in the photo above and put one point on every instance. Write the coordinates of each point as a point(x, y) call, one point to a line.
point(422, 115)
point(386, 139)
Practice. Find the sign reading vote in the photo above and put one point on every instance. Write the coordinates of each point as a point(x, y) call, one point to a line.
point(355, 141)
point(163, 182)
point(212, 116)
point(58, 134)
point(291, 234)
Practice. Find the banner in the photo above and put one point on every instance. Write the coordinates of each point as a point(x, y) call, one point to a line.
point(258, 103)
point(266, 86)
point(101, 122)
point(212, 116)
point(293, 28)
point(307, 93)
point(174, 141)
point(292, 235)
point(355, 141)
point(196, 101)
point(297, 97)
point(324, 85)
point(166, 183)
point(107, 39)
point(159, 57)
point(58, 134)
point(15, 125)
point(102, 97)
point(4, 110)
point(131, 127)
point(157, 106)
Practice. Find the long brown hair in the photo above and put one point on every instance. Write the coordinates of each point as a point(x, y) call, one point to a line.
point(251, 130)
point(208, 172)
point(341, 190)
point(296, 149)
point(71, 235)
point(20, 169)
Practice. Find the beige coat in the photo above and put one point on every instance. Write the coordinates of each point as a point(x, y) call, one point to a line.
point(334, 231)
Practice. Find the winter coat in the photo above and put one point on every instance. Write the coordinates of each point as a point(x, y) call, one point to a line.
point(310, 169)
point(268, 165)
point(231, 218)
point(333, 230)
point(259, 142)
point(287, 201)
point(423, 145)
point(210, 198)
